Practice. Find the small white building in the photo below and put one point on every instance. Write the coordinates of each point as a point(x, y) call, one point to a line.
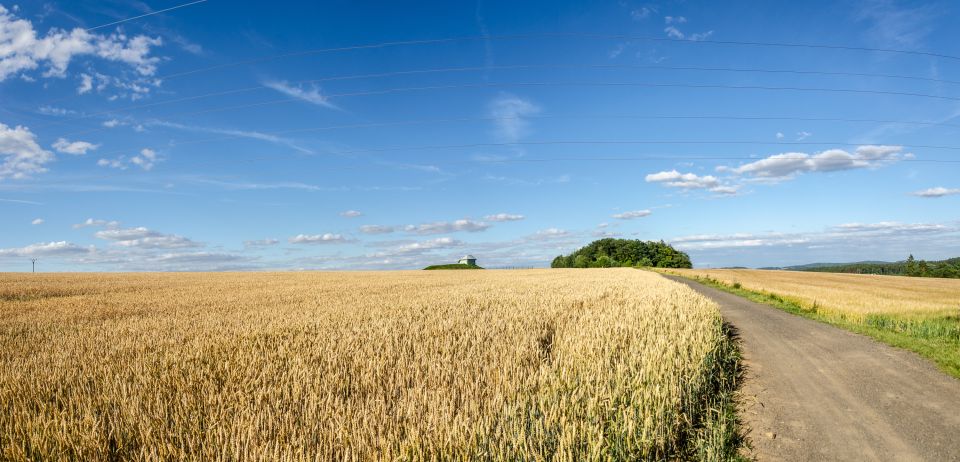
point(468, 260)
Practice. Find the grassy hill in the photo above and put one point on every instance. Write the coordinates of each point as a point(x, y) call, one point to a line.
point(453, 266)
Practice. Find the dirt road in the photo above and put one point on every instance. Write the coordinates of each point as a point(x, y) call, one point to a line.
point(816, 392)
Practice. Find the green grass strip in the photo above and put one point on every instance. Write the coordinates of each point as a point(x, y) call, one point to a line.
point(934, 338)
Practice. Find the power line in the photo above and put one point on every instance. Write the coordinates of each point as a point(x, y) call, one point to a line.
point(145, 15)
point(555, 84)
point(398, 43)
point(570, 117)
point(506, 67)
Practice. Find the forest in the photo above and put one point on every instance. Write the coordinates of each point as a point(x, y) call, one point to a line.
point(949, 268)
point(607, 253)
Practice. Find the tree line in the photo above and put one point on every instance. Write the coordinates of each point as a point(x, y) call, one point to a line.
point(949, 268)
point(607, 253)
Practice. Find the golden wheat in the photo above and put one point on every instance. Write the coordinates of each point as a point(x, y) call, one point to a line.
point(847, 294)
point(470, 365)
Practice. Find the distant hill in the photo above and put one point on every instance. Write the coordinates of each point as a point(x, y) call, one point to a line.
point(949, 268)
point(453, 266)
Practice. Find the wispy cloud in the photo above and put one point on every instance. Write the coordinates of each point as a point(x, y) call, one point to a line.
point(250, 134)
point(326, 238)
point(631, 214)
point(938, 191)
point(311, 95)
point(503, 217)
point(351, 214)
point(509, 112)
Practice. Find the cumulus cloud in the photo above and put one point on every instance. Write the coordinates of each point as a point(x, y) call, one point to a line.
point(508, 112)
point(441, 227)
point(311, 95)
point(77, 148)
point(503, 217)
point(790, 164)
point(45, 249)
point(23, 49)
point(938, 191)
point(146, 160)
point(21, 154)
point(675, 179)
point(631, 214)
point(350, 214)
point(37, 221)
point(376, 229)
point(141, 237)
point(326, 238)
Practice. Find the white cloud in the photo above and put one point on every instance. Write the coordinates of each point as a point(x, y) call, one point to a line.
point(508, 112)
point(549, 233)
point(676, 179)
point(21, 154)
point(112, 123)
point(790, 164)
point(674, 20)
point(939, 191)
point(311, 95)
point(420, 247)
point(803, 135)
point(441, 227)
point(674, 33)
point(350, 214)
point(90, 222)
point(48, 249)
point(86, 84)
point(46, 109)
point(503, 217)
point(642, 12)
point(144, 238)
point(631, 214)
point(23, 49)
point(146, 160)
point(326, 238)
point(255, 135)
point(376, 229)
point(261, 242)
point(840, 235)
point(37, 221)
point(780, 135)
point(77, 148)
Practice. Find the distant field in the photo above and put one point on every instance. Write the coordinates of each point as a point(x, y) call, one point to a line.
point(850, 294)
point(919, 314)
point(613, 364)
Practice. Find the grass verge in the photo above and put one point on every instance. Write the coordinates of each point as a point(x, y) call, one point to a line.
point(934, 338)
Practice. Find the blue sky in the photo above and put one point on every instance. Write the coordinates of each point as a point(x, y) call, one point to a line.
point(231, 135)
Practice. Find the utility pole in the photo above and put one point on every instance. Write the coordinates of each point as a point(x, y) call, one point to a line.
point(33, 262)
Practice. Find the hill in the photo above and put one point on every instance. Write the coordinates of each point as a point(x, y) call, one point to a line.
point(949, 268)
point(606, 253)
point(453, 266)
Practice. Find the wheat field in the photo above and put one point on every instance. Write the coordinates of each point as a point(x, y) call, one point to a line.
point(853, 295)
point(613, 364)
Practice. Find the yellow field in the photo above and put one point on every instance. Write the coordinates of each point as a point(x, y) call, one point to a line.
point(614, 364)
point(849, 294)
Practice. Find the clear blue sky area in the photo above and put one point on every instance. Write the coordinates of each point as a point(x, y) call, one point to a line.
point(224, 135)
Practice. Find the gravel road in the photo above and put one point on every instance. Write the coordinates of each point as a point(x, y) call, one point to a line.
point(815, 392)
